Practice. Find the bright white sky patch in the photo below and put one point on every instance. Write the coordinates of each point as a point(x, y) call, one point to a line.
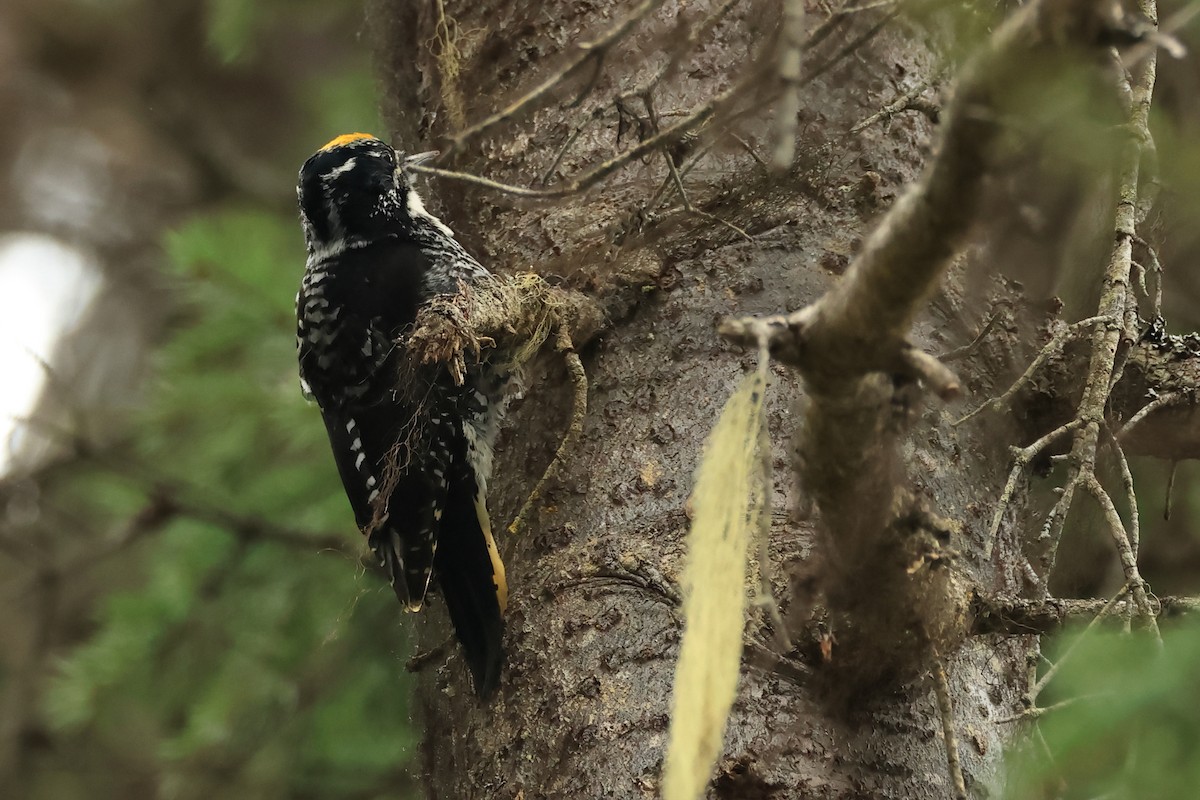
point(46, 286)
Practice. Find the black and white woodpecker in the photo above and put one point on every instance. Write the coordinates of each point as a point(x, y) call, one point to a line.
point(414, 450)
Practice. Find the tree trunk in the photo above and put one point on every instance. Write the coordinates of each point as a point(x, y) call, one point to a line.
point(594, 620)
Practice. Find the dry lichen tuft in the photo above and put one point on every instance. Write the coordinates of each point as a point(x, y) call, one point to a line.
point(513, 314)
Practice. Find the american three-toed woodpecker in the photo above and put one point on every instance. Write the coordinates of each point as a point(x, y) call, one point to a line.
point(413, 448)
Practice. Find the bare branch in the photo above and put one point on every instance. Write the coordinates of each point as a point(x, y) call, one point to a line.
point(1135, 525)
point(1015, 617)
point(1040, 711)
point(1024, 457)
point(595, 50)
point(570, 439)
point(859, 329)
point(1091, 626)
point(1052, 348)
point(851, 46)
point(677, 178)
point(904, 102)
point(695, 34)
point(969, 347)
point(752, 84)
point(1114, 300)
point(909, 250)
point(580, 183)
point(936, 375)
point(941, 691)
point(1162, 401)
point(1133, 578)
point(788, 106)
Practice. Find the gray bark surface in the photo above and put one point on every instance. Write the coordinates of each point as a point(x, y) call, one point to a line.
point(593, 622)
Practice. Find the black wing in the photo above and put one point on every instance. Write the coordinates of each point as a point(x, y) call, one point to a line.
point(395, 470)
point(350, 311)
point(398, 440)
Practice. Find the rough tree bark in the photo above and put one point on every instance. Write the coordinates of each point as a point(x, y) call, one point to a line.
point(593, 621)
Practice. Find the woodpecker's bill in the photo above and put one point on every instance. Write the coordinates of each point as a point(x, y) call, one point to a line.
point(414, 450)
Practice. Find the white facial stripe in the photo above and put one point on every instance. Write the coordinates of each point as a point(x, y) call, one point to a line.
point(332, 175)
point(416, 208)
point(318, 254)
point(323, 252)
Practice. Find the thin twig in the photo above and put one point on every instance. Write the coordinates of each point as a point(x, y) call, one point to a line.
point(156, 515)
point(1138, 276)
point(570, 439)
point(941, 690)
point(1170, 490)
point(1091, 626)
point(677, 178)
point(1024, 617)
point(1135, 525)
point(687, 167)
point(1114, 300)
point(1162, 401)
point(748, 148)
point(1062, 784)
point(695, 35)
point(1155, 268)
point(691, 121)
point(851, 47)
point(759, 656)
point(562, 152)
point(1023, 458)
point(902, 103)
point(177, 498)
point(787, 107)
point(587, 51)
point(868, 6)
point(1133, 577)
point(1052, 348)
point(966, 349)
point(1056, 520)
point(1040, 711)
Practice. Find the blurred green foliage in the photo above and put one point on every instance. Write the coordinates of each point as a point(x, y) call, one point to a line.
point(269, 663)
point(239, 649)
point(238, 29)
point(1128, 723)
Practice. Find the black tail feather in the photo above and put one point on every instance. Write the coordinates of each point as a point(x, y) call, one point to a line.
point(465, 576)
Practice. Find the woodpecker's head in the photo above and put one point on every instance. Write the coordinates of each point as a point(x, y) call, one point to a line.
point(356, 189)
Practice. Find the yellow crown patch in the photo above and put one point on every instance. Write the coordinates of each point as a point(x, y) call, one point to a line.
point(346, 138)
